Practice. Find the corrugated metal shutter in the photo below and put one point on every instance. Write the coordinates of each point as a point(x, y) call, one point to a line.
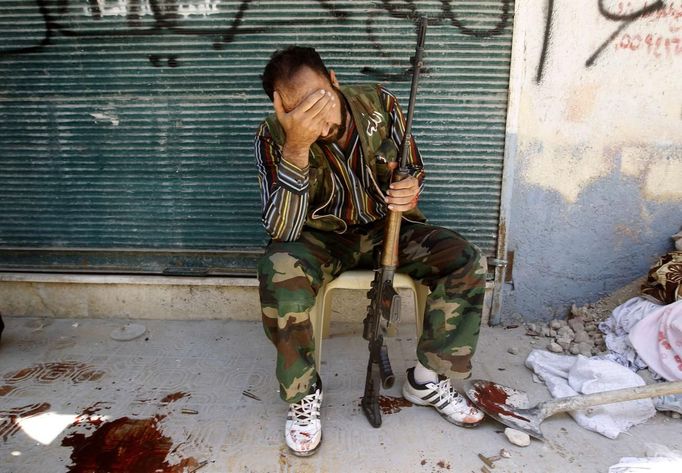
point(129, 124)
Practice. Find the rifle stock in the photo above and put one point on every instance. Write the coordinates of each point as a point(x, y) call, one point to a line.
point(384, 300)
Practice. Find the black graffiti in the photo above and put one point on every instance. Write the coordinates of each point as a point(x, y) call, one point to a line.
point(498, 29)
point(166, 18)
point(407, 10)
point(627, 20)
point(447, 15)
point(545, 42)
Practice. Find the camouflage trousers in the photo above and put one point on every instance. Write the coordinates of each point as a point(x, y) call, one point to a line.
point(291, 273)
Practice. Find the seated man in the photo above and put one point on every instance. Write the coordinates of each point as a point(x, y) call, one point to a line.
point(324, 177)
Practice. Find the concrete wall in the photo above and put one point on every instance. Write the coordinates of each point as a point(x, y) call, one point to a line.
point(595, 141)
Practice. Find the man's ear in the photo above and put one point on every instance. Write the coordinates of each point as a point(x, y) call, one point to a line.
point(332, 75)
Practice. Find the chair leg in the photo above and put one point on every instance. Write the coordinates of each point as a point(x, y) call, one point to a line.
point(327, 312)
point(316, 315)
point(421, 293)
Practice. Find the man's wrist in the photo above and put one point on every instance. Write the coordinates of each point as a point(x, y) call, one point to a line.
point(297, 155)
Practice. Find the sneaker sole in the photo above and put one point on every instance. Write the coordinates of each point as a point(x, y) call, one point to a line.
point(420, 402)
point(307, 453)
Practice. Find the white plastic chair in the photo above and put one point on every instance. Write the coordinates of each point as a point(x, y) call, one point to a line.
point(320, 314)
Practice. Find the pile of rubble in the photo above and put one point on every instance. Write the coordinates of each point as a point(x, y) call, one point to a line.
point(580, 334)
point(577, 335)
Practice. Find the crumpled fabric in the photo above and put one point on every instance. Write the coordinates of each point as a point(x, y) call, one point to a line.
point(647, 465)
point(617, 328)
point(659, 459)
point(664, 280)
point(567, 375)
point(658, 341)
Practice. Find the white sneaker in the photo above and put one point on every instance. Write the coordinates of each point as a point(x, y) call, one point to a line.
point(447, 401)
point(303, 429)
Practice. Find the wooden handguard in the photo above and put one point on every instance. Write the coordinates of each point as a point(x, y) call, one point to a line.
point(389, 255)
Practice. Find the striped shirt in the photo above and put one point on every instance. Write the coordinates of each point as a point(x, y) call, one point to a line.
point(356, 198)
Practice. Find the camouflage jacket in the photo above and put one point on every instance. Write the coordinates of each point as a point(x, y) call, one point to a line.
point(294, 198)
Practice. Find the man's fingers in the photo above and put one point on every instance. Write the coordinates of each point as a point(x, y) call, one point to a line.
point(409, 191)
point(321, 106)
point(311, 100)
point(405, 183)
point(403, 195)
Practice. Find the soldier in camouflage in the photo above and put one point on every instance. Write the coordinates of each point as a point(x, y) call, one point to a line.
point(324, 170)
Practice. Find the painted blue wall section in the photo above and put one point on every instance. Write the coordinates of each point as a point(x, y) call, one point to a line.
point(579, 252)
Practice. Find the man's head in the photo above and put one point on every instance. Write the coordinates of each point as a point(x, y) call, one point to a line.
point(297, 72)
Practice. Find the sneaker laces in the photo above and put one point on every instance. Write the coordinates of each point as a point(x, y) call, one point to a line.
point(446, 391)
point(307, 410)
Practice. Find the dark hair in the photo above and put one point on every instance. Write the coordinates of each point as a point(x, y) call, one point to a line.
point(284, 63)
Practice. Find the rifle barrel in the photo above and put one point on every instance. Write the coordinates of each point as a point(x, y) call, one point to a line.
point(418, 63)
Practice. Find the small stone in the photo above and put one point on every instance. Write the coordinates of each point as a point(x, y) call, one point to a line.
point(517, 437)
point(565, 344)
point(555, 324)
point(590, 327)
point(504, 453)
point(513, 350)
point(566, 332)
point(581, 336)
point(552, 332)
point(585, 349)
point(574, 349)
point(555, 347)
point(532, 328)
point(576, 323)
point(544, 331)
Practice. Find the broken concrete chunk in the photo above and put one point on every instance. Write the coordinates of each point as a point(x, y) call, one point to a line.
point(577, 323)
point(513, 350)
point(555, 347)
point(566, 332)
point(517, 437)
point(581, 336)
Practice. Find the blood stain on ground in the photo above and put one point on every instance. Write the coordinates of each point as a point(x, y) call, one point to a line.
point(174, 397)
point(9, 419)
point(88, 415)
point(49, 372)
point(124, 446)
point(391, 404)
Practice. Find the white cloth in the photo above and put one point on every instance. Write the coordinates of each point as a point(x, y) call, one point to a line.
point(647, 465)
point(570, 375)
point(658, 340)
point(659, 459)
point(617, 328)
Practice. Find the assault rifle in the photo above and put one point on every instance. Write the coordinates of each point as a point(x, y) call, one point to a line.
point(384, 300)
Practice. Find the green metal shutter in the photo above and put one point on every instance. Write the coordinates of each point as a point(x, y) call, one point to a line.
point(126, 127)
